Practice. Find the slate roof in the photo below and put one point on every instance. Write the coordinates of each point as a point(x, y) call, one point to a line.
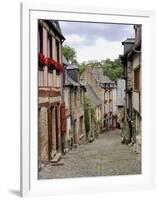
point(93, 96)
point(129, 40)
point(98, 75)
point(72, 66)
point(64, 60)
point(70, 82)
point(55, 25)
point(128, 45)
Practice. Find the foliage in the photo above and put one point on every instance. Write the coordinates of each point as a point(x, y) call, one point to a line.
point(125, 141)
point(87, 106)
point(113, 68)
point(82, 68)
point(89, 111)
point(69, 53)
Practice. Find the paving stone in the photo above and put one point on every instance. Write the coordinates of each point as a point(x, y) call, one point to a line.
point(105, 156)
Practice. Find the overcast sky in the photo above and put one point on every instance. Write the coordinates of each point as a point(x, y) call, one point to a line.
point(96, 41)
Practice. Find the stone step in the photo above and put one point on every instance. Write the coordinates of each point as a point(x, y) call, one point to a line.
point(56, 158)
point(53, 154)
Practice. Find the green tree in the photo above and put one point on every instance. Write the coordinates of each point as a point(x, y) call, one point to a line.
point(69, 53)
point(82, 68)
point(113, 68)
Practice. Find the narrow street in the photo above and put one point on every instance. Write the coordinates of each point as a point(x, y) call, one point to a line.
point(106, 156)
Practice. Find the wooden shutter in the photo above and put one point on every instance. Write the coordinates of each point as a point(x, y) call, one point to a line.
point(63, 118)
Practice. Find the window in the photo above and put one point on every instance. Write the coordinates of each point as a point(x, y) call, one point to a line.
point(49, 54)
point(57, 51)
point(137, 79)
point(40, 39)
point(75, 97)
point(81, 125)
point(49, 46)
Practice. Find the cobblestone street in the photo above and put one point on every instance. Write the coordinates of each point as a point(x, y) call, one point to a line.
point(106, 156)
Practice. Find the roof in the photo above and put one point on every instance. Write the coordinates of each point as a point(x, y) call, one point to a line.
point(93, 96)
point(55, 25)
point(83, 84)
point(98, 75)
point(128, 45)
point(70, 82)
point(64, 60)
point(72, 66)
point(129, 40)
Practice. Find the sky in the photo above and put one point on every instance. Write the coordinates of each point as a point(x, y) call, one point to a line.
point(96, 41)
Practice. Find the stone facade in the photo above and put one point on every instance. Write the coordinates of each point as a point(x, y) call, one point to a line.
point(74, 93)
point(94, 77)
point(132, 74)
point(93, 107)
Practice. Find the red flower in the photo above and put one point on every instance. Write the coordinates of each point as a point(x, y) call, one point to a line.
point(42, 60)
point(59, 67)
point(51, 62)
point(56, 65)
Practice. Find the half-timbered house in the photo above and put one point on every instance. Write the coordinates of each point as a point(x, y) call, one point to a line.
point(51, 108)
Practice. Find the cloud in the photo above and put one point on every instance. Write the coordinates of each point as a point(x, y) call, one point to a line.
point(96, 40)
point(75, 40)
point(102, 49)
point(90, 31)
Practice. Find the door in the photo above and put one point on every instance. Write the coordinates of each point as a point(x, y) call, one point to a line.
point(50, 129)
point(75, 131)
point(56, 128)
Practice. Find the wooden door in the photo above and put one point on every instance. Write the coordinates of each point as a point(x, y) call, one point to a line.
point(49, 132)
point(56, 128)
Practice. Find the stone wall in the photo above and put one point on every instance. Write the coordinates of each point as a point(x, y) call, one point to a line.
point(43, 135)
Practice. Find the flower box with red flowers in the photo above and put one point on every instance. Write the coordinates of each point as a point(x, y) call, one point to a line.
point(51, 63)
point(59, 67)
point(42, 59)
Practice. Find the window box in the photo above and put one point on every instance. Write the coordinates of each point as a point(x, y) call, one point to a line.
point(51, 63)
point(42, 60)
point(55, 65)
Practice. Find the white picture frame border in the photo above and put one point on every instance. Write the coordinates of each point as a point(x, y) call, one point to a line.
point(30, 185)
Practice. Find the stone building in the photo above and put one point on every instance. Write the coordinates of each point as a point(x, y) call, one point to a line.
point(94, 112)
point(74, 92)
point(120, 102)
point(132, 74)
point(106, 92)
point(51, 123)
